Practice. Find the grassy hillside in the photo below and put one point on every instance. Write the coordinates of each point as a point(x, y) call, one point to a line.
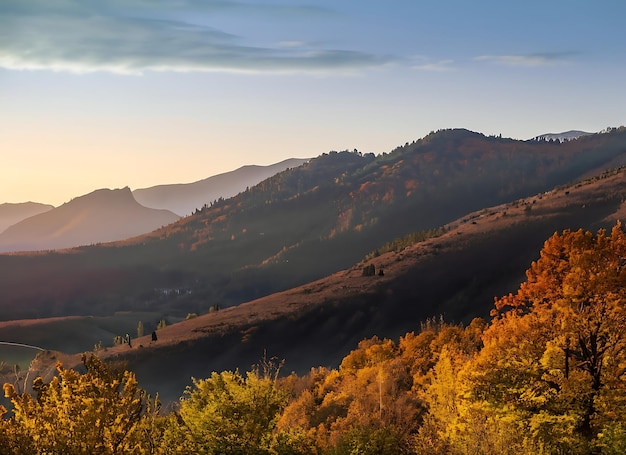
point(297, 226)
point(457, 274)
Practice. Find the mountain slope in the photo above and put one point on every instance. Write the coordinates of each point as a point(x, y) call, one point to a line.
point(455, 275)
point(101, 216)
point(298, 226)
point(14, 213)
point(184, 198)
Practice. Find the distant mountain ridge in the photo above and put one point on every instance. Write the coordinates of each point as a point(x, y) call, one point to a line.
point(101, 216)
point(13, 213)
point(561, 137)
point(176, 198)
point(184, 198)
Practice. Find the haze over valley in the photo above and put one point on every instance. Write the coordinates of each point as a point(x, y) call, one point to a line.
point(300, 225)
point(108, 215)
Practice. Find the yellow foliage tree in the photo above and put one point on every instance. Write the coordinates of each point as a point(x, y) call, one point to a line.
point(227, 413)
point(100, 412)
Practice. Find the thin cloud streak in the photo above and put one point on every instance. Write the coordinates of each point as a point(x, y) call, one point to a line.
point(133, 39)
point(439, 66)
point(529, 60)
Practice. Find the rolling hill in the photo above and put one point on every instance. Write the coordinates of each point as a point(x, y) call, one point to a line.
point(100, 216)
point(297, 226)
point(455, 274)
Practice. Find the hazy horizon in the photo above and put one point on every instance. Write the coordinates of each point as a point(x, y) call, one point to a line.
point(128, 93)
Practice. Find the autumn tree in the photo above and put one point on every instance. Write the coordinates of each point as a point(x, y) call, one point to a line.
point(555, 354)
point(367, 406)
point(436, 355)
point(102, 411)
point(227, 413)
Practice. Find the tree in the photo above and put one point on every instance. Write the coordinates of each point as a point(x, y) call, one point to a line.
point(555, 354)
point(102, 411)
point(367, 406)
point(369, 270)
point(227, 413)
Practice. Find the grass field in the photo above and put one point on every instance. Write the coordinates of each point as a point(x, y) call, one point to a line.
point(16, 355)
point(72, 334)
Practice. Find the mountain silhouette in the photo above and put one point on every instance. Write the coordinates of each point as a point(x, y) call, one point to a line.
point(101, 216)
point(184, 198)
point(14, 213)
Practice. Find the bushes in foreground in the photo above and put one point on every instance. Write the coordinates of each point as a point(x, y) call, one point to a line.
point(545, 376)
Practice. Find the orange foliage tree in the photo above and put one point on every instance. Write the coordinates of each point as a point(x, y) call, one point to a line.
point(555, 354)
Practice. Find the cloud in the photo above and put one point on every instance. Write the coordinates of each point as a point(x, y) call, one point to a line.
point(292, 44)
point(424, 64)
point(529, 60)
point(133, 36)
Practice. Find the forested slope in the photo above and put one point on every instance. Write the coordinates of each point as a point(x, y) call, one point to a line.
point(299, 225)
point(455, 274)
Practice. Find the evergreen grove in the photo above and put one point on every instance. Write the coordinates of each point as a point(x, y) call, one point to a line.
point(545, 376)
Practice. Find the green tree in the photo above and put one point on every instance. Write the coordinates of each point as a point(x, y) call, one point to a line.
point(227, 413)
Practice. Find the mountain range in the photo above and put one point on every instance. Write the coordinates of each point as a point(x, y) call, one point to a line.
point(454, 274)
point(109, 215)
point(299, 225)
point(281, 265)
point(101, 216)
point(184, 198)
point(561, 137)
point(14, 213)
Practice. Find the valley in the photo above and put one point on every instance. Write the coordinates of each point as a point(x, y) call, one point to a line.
point(273, 305)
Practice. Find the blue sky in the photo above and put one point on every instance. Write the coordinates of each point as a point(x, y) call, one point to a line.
point(106, 94)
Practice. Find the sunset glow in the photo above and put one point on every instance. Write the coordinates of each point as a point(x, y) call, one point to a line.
point(132, 93)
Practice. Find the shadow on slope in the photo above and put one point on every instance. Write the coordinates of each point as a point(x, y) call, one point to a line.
point(456, 275)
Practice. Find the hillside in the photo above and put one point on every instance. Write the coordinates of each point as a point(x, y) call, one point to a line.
point(100, 216)
point(456, 275)
point(14, 213)
point(185, 198)
point(298, 226)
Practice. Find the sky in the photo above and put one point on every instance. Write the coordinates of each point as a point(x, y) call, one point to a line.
point(113, 93)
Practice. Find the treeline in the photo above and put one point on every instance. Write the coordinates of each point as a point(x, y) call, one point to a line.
point(400, 243)
point(545, 376)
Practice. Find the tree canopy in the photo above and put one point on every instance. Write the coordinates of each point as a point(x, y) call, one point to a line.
point(545, 376)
